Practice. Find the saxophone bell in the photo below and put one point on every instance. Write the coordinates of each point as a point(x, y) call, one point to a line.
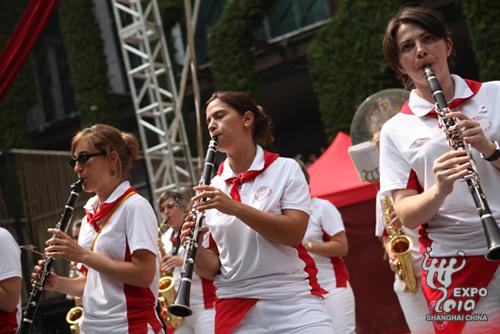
point(167, 289)
point(400, 245)
point(74, 318)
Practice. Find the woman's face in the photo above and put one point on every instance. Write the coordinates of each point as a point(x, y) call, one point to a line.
point(95, 172)
point(417, 48)
point(230, 128)
point(170, 210)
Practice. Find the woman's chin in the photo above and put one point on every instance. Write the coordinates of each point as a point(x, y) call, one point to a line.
point(87, 187)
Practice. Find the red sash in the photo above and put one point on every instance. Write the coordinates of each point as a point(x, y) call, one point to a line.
point(104, 209)
point(247, 176)
point(458, 297)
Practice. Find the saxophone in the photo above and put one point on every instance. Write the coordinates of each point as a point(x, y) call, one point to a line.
point(75, 314)
point(167, 284)
point(400, 245)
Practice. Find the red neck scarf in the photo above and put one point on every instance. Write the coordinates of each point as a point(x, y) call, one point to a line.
point(474, 86)
point(243, 177)
point(104, 209)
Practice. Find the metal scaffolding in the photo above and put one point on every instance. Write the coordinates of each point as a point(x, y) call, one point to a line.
point(158, 107)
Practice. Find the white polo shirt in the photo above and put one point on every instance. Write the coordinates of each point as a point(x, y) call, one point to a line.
point(409, 145)
point(202, 290)
point(324, 223)
point(251, 265)
point(380, 230)
point(111, 306)
point(10, 266)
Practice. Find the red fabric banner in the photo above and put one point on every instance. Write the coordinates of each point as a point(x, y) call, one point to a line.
point(20, 43)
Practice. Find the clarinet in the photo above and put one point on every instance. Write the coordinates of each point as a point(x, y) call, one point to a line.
point(455, 142)
point(37, 290)
point(180, 306)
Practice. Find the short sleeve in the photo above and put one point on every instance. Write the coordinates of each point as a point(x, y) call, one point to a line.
point(141, 226)
point(10, 255)
point(379, 217)
point(331, 219)
point(296, 193)
point(394, 169)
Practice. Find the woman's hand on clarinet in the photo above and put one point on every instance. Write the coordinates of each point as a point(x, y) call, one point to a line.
point(214, 199)
point(64, 246)
point(450, 167)
point(187, 228)
point(168, 263)
point(50, 282)
point(473, 134)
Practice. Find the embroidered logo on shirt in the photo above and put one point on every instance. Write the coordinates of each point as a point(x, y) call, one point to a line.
point(484, 121)
point(419, 142)
point(262, 193)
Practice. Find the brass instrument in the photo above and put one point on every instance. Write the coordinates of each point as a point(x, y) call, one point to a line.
point(167, 285)
point(73, 318)
point(75, 314)
point(400, 245)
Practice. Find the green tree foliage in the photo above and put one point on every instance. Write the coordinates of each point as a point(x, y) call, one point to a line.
point(484, 31)
point(230, 44)
point(20, 97)
point(346, 60)
point(87, 62)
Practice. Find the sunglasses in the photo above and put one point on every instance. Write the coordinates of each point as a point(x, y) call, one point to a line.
point(169, 206)
point(83, 158)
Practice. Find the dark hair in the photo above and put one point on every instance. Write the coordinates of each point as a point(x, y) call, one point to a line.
point(426, 18)
point(106, 138)
point(171, 194)
point(242, 102)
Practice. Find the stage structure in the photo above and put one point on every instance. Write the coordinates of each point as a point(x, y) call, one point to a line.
point(156, 100)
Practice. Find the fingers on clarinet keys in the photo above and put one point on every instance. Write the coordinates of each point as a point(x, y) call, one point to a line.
point(35, 275)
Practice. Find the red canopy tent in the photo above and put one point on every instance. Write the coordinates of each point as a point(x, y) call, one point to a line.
point(333, 177)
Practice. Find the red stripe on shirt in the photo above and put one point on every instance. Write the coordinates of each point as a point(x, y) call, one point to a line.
point(208, 289)
point(8, 322)
point(338, 265)
point(140, 306)
point(311, 271)
point(413, 182)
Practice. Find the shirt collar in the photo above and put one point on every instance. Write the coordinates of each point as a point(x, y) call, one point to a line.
point(421, 107)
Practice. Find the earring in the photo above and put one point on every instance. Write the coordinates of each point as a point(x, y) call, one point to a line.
point(112, 172)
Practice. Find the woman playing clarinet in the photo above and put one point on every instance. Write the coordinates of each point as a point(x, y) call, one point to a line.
point(425, 177)
point(117, 245)
point(257, 209)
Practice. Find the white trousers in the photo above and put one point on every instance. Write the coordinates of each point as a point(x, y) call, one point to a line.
point(489, 305)
point(299, 315)
point(341, 307)
point(414, 307)
point(200, 322)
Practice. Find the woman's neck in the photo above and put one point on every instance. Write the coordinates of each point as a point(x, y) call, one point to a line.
point(106, 191)
point(241, 160)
